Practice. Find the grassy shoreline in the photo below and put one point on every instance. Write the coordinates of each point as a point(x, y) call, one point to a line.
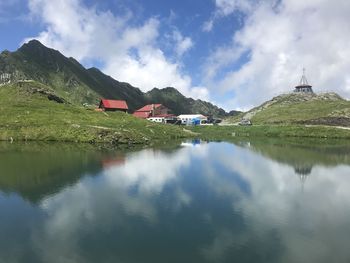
point(270, 131)
point(28, 115)
point(116, 129)
point(160, 133)
point(78, 134)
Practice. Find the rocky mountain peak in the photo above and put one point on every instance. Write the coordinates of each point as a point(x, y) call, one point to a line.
point(34, 61)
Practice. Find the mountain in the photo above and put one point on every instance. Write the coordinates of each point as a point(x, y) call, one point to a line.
point(179, 104)
point(107, 87)
point(69, 79)
point(78, 85)
point(302, 108)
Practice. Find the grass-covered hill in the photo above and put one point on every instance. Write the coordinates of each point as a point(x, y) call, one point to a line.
point(69, 79)
point(299, 108)
point(77, 85)
point(34, 111)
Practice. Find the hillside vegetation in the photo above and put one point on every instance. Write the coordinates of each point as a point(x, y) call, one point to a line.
point(33, 111)
point(295, 108)
point(179, 104)
point(77, 85)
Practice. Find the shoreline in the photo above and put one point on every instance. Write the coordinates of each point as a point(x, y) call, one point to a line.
point(272, 131)
point(116, 137)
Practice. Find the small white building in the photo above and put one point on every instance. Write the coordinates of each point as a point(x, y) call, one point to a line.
point(165, 118)
point(156, 119)
point(192, 119)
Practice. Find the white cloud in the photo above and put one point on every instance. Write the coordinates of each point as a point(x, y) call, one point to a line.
point(263, 59)
point(277, 200)
point(208, 25)
point(149, 171)
point(228, 7)
point(130, 53)
point(262, 204)
point(183, 44)
point(280, 41)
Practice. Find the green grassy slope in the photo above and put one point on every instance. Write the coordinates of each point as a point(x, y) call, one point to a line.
point(28, 114)
point(34, 61)
point(327, 109)
point(70, 80)
point(302, 109)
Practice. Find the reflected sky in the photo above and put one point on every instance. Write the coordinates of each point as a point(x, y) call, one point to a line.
point(209, 202)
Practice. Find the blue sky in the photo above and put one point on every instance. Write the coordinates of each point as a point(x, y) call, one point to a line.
point(234, 53)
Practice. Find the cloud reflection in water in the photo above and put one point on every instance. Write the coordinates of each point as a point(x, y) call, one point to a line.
point(216, 202)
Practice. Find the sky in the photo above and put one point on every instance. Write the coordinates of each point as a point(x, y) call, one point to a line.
point(234, 53)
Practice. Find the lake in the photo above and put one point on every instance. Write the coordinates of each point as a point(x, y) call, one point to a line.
point(239, 201)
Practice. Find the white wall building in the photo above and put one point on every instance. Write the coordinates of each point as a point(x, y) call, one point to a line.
point(167, 118)
point(156, 119)
point(188, 119)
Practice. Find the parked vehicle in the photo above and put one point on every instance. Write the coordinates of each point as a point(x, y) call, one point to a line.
point(245, 122)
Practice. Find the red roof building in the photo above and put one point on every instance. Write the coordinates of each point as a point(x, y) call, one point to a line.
point(142, 114)
point(150, 107)
point(151, 110)
point(113, 105)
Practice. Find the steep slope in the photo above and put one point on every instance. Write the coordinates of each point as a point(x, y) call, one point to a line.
point(77, 85)
point(34, 61)
point(174, 100)
point(108, 87)
point(296, 108)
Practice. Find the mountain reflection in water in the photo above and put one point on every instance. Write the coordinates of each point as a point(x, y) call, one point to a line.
point(211, 202)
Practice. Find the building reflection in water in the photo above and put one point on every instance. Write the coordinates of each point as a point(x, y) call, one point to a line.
point(303, 173)
point(113, 161)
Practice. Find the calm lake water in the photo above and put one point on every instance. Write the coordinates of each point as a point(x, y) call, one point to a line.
point(257, 201)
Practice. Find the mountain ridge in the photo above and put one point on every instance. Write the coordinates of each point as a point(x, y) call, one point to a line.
point(180, 104)
point(78, 85)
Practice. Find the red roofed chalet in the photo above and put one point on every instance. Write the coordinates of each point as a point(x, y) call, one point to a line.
point(113, 105)
point(151, 110)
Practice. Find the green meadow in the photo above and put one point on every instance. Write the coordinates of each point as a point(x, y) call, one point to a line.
point(28, 115)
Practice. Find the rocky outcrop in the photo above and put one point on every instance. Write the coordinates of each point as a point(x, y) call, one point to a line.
point(35, 88)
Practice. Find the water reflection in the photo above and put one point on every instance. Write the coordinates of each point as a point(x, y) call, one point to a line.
point(215, 202)
point(38, 170)
point(303, 155)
